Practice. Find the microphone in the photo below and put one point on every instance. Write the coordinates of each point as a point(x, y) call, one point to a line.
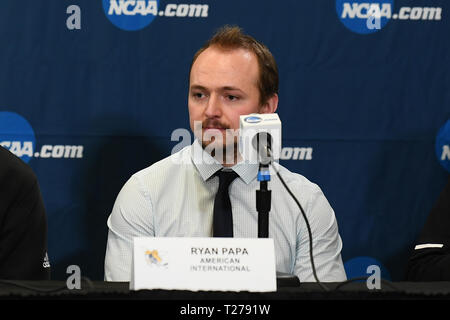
point(262, 142)
point(259, 142)
point(260, 138)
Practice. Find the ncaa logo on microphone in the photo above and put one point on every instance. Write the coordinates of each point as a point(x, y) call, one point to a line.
point(442, 146)
point(253, 119)
point(364, 17)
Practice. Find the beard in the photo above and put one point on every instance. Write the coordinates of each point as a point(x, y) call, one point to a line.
point(221, 142)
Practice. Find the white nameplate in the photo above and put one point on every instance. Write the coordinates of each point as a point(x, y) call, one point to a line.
point(206, 264)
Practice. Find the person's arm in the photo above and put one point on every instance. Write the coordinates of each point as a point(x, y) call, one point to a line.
point(130, 217)
point(327, 243)
point(430, 259)
point(23, 226)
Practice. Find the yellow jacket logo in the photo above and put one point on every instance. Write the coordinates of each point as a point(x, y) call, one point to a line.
point(153, 258)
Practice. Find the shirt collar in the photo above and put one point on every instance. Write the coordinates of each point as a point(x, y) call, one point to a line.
point(207, 165)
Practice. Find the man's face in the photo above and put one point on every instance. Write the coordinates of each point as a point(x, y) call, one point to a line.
point(223, 86)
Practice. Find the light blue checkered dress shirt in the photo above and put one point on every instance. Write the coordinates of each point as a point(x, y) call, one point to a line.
point(175, 196)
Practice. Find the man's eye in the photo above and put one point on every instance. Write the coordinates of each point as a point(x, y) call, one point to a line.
point(232, 98)
point(198, 95)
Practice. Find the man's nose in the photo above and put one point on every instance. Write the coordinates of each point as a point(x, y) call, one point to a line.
point(214, 107)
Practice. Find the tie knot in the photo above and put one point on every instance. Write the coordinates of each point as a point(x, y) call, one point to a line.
point(226, 177)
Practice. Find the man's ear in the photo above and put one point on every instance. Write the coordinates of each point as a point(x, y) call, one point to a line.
point(270, 106)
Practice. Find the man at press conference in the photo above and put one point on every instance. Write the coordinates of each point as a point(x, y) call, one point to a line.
point(185, 196)
point(23, 222)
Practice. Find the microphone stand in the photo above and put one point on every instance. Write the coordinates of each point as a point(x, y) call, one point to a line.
point(263, 200)
point(263, 195)
point(263, 204)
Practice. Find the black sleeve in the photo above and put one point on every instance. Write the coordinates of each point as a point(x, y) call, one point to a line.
point(433, 264)
point(23, 224)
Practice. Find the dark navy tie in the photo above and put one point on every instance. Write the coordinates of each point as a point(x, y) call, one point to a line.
point(223, 217)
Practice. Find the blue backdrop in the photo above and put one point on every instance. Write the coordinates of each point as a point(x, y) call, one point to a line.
point(91, 94)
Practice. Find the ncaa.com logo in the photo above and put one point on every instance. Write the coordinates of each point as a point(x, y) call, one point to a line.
point(442, 146)
point(369, 16)
point(132, 15)
point(17, 135)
